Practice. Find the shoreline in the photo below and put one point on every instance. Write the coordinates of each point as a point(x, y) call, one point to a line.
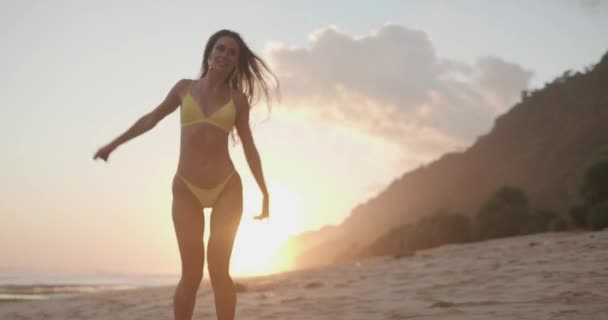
point(541, 276)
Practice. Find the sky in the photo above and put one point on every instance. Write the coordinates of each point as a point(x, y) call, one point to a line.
point(370, 89)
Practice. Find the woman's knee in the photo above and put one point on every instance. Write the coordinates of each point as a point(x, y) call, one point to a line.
point(217, 263)
point(191, 280)
point(219, 276)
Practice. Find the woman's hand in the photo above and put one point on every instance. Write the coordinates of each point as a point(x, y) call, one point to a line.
point(104, 152)
point(265, 212)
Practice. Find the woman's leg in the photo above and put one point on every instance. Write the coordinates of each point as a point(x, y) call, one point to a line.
point(189, 225)
point(225, 219)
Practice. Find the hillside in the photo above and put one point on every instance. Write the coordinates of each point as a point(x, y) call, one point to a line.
point(541, 145)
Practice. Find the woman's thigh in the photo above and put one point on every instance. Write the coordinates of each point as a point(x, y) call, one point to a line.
point(225, 220)
point(189, 225)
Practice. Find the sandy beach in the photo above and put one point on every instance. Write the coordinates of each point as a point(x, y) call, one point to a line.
point(542, 276)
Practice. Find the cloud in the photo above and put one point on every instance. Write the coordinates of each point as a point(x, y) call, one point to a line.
point(502, 80)
point(377, 65)
point(591, 4)
point(391, 83)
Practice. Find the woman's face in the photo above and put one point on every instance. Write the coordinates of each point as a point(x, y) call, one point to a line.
point(225, 54)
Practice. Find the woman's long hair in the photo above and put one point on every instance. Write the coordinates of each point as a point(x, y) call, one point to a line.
point(251, 74)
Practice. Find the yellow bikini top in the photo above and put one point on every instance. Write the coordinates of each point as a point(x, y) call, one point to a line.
point(191, 113)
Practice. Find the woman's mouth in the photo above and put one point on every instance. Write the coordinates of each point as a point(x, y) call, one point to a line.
point(222, 63)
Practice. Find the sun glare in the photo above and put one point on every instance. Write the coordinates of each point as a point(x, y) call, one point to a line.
point(257, 242)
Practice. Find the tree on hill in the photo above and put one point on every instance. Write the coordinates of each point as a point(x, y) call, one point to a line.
point(594, 188)
point(593, 213)
point(504, 214)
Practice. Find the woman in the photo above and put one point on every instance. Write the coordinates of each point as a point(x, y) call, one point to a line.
point(211, 107)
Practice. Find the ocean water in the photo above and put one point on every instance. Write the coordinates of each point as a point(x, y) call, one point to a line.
point(39, 286)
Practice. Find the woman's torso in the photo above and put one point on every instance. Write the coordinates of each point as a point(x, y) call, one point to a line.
point(206, 119)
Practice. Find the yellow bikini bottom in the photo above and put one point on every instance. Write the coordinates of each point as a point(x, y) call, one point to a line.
point(207, 196)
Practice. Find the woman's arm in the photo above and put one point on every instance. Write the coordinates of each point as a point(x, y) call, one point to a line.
point(251, 152)
point(147, 122)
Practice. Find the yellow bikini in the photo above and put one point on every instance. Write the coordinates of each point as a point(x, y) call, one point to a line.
point(207, 197)
point(224, 119)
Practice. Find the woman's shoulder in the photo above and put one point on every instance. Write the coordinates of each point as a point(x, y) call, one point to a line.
point(180, 88)
point(184, 83)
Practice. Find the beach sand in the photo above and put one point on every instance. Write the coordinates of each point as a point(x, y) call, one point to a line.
point(542, 276)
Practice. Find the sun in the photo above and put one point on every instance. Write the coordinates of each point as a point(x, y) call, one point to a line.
point(257, 243)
